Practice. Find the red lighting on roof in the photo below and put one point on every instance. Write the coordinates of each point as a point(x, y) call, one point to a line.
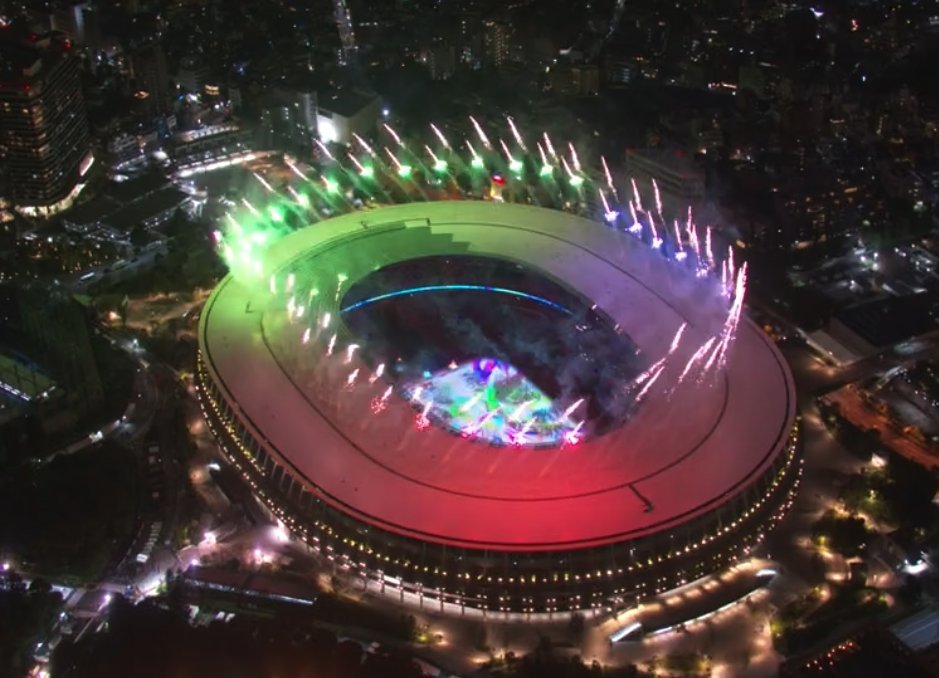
point(25, 86)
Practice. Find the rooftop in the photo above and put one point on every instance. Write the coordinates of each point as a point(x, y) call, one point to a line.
point(682, 454)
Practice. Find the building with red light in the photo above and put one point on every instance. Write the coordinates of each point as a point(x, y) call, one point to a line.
point(45, 146)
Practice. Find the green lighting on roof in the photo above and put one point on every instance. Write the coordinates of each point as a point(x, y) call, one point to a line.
point(516, 166)
point(276, 214)
point(404, 171)
point(440, 165)
point(576, 181)
point(547, 170)
point(367, 172)
point(332, 186)
point(477, 163)
point(303, 199)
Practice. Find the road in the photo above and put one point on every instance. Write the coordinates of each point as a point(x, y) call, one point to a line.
point(855, 410)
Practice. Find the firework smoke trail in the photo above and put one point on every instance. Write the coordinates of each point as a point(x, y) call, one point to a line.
point(519, 437)
point(251, 208)
point(520, 410)
point(733, 317)
point(391, 155)
point(658, 200)
point(707, 248)
point(641, 379)
point(422, 422)
point(440, 136)
point(636, 197)
point(340, 278)
point(572, 437)
point(482, 135)
point(541, 153)
point(473, 152)
point(364, 144)
point(724, 288)
point(306, 336)
point(656, 240)
point(468, 405)
point(325, 150)
point(433, 156)
point(636, 227)
point(350, 351)
point(609, 178)
point(678, 240)
point(331, 345)
point(324, 322)
point(296, 170)
point(359, 166)
point(676, 340)
point(695, 243)
point(472, 430)
point(609, 214)
point(574, 159)
point(394, 135)
point(570, 410)
point(352, 377)
point(698, 355)
point(650, 383)
point(264, 182)
point(379, 404)
point(376, 375)
point(548, 145)
point(295, 195)
point(567, 168)
point(505, 149)
point(515, 133)
point(730, 265)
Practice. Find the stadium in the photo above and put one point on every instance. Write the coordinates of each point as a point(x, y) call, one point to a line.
point(499, 406)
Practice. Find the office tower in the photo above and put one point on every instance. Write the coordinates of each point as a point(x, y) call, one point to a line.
point(45, 146)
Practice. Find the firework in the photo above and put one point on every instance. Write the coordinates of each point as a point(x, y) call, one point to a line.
point(483, 139)
point(394, 135)
point(376, 375)
point(609, 178)
point(636, 197)
point(440, 136)
point(548, 145)
point(570, 410)
point(379, 404)
point(350, 380)
point(518, 137)
point(364, 144)
point(350, 352)
point(574, 159)
point(264, 183)
point(325, 150)
point(331, 345)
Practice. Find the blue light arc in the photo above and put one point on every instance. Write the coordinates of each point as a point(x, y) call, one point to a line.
point(458, 288)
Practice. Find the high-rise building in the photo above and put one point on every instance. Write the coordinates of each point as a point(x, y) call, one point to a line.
point(497, 40)
point(45, 146)
point(148, 62)
point(343, 17)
